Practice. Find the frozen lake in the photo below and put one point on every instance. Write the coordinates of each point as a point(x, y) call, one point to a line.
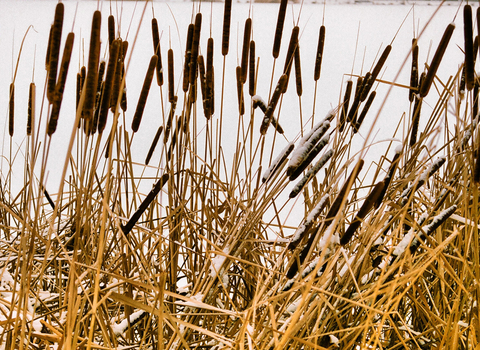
point(355, 37)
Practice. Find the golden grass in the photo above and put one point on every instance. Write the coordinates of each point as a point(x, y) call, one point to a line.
point(387, 261)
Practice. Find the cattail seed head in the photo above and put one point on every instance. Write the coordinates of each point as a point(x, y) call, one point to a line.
point(11, 110)
point(227, 14)
point(156, 51)
point(251, 75)
point(55, 50)
point(468, 39)
point(142, 100)
point(171, 77)
point(31, 108)
point(319, 55)
point(279, 29)
point(245, 49)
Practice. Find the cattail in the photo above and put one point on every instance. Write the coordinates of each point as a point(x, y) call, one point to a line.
point(168, 126)
point(188, 54)
point(306, 144)
point(111, 30)
point(156, 51)
point(96, 115)
point(101, 72)
point(461, 85)
point(366, 86)
point(49, 47)
point(123, 101)
point(388, 178)
point(117, 81)
point(144, 205)
point(195, 43)
point(368, 82)
point(362, 116)
point(298, 71)
point(476, 170)
point(31, 108)
point(468, 36)
point(311, 173)
point(308, 222)
point(475, 98)
point(364, 210)
point(417, 107)
point(292, 46)
point(91, 79)
point(257, 101)
point(142, 100)
point(251, 76)
point(11, 110)
point(358, 86)
point(55, 50)
point(437, 58)
point(241, 104)
point(279, 29)
point(343, 192)
point(278, 162)
point(209, 79)
point(319, 56)
point(436, 165)
point(174, 138)
point(475, 50)
point(201, 70)
point(414, 71)
point(227, 14)
point(171, 86)
point(309, 158)
point(108, 85)
point(273, 104)
point(245, 49)
point(153, 145)
point(346, 101)
point(428, 229)
point(60, 86)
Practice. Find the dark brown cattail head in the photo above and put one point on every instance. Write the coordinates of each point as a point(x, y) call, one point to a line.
point(241, 103)
point(417, 107)
point(49, 47)
point(267, 119)
point(227, 14)
point(153, 145)
point(55, 50)
point(195, 43)
point(378, 67)
point(346, 101)
point(279, 29)
point(414, 71)
point(108, 85)
point(60, 86)
point(298, 71)
point(251, 75)
point(92, 72)
point(209, 79)
point(156, 51)
point(292, 46)
point(142, 100)
point(188, 54)
point(437, 58)
point(319, 56)
point(171, 77)
point(362, 115)
point(246, 46)
point(11, 110)
point(111, 30)
point(201, 71)
point(468, 37)
point(31, 108)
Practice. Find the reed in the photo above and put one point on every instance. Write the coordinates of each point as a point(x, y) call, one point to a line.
point(207, 243)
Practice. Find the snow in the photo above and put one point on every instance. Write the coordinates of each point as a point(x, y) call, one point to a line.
point(120, 328)
point(218, 261)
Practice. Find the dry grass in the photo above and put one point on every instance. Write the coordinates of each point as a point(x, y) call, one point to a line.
point(388, 261)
